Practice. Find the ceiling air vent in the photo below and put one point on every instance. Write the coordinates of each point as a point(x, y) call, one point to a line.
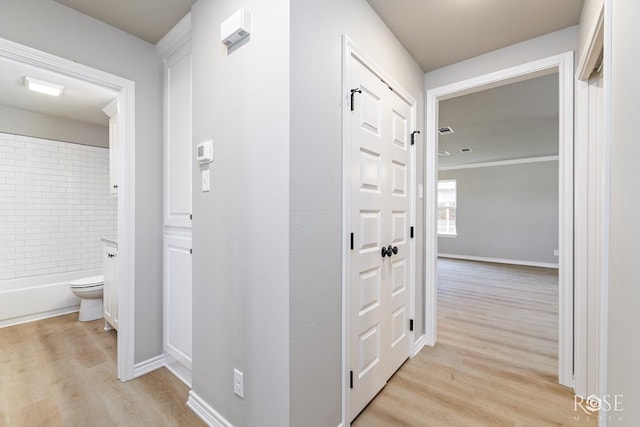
point(466, 150)
point(444, 153)
point(445, 130)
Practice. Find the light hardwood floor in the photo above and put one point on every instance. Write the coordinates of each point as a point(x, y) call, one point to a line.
point(61, 372)
point(495, 363)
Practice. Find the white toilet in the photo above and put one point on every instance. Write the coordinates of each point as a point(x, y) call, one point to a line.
point(89, 290)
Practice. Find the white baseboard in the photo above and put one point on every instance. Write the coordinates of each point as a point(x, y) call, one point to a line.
point(148, 365)
point(38, 316)
point(418, 345)
point(182, 372)
point(206, 413)
point(500, 260)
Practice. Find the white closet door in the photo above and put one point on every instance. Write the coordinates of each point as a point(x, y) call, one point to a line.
point(178, 151)
point(379, 216)
point(179, 159)
point(178, 317)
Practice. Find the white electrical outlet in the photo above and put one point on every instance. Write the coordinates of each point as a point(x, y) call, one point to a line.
point(556, 252)
point(238, 383)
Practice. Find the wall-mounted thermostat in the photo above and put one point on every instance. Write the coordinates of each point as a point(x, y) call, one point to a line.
point(205, 152)
point(235, 28)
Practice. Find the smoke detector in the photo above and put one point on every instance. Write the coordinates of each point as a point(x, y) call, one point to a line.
point(445, 130)
point(235, 28)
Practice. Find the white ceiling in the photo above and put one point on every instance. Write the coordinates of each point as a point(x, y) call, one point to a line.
point(515, 121)
point(435, 32)
point(441, 32)
point(149, 20)
point(80, 100)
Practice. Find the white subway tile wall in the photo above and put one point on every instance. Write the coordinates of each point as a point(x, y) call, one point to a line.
point(55, 206)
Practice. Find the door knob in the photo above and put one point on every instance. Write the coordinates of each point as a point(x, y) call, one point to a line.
point(389, 251)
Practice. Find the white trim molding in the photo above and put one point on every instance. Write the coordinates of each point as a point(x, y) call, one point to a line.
point(125, 90)
point(563, 65)
point(593, 46)
point(182, 372)
point(499, 260)
point(418, 345)
point(206, 413)
point(500, 163)
point(38, 316)
point(592, 208)
point(177, 37)
point(148, 365)
point(603, 318)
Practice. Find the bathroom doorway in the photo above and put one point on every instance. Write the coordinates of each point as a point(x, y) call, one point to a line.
point(123, 92)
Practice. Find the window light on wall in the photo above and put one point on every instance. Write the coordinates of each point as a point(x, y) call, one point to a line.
point(447, 197)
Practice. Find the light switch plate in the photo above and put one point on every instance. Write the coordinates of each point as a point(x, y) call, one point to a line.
point(205, 180)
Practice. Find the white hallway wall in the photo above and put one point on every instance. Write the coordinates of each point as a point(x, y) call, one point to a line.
point(241, 227)
point(624, 266)
point(540, 47)
point(51, 27)
point(316, 235)
point(267, 238)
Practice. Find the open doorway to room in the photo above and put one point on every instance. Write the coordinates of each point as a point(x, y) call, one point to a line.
point(495, 296)
point(498, 225)
point(89, 93)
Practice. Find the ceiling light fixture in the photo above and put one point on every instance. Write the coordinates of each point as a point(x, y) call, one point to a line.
point(466, 150)
point(43, 87)
point(445, 130)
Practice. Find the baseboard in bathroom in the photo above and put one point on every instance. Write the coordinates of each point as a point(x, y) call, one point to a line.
point(148, 365)
point(38, 316)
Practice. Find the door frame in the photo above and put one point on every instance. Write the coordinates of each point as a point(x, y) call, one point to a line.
point(563, 64)
point(126, 179)
point(592, 165)
point(349, 49)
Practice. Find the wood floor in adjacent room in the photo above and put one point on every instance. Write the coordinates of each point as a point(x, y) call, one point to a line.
point(61, 372)
point(495, 363)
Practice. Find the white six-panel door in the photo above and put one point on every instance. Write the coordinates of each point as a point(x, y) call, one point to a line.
point(379, 217)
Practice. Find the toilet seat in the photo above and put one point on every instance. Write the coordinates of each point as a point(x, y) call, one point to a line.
point(87, 282)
